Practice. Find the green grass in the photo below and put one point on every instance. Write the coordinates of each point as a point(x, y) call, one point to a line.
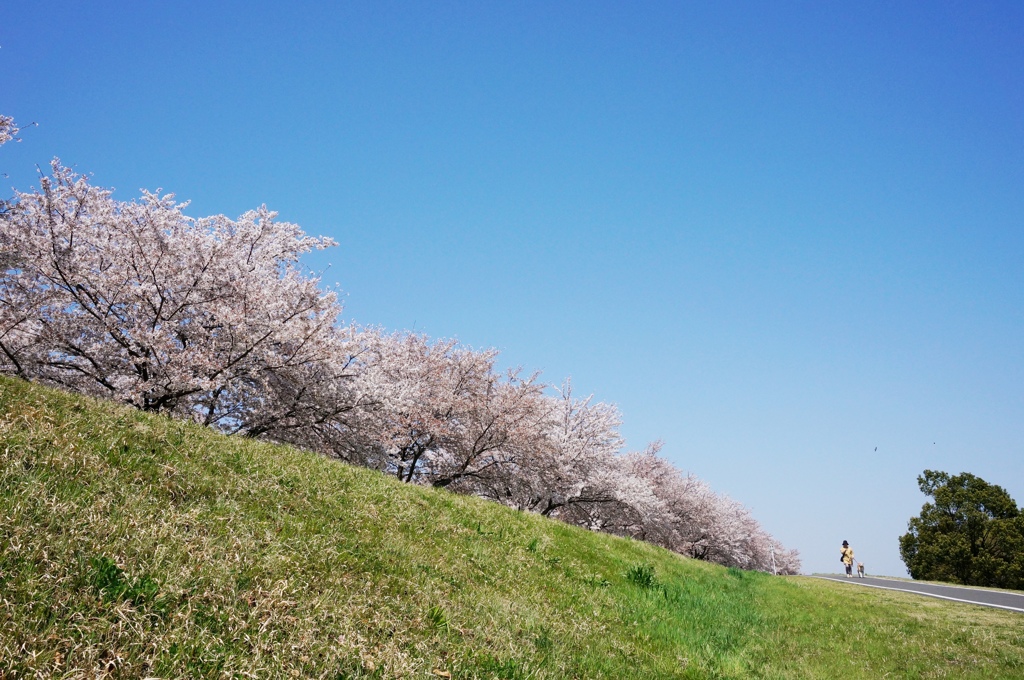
point(137, 546)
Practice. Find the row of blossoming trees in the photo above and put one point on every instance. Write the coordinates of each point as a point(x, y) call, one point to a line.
point(214, 320)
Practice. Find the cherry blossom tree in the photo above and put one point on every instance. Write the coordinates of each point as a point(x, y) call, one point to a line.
point(500, 423)
point(693, 520)
point(686, 503)
point(317, 404)
point(441, 414)
point(575, 471)
point(417, 393)
point(787, 561)
point(137, 302)
point(574, 442)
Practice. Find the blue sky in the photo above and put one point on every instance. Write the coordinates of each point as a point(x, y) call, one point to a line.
point(777, 235)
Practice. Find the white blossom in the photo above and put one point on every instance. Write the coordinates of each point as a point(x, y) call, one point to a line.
point(8, 129)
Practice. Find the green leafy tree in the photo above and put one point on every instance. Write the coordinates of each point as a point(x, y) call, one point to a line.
point(972, 533)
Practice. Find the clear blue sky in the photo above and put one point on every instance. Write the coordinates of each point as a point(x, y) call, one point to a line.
point(777, 235)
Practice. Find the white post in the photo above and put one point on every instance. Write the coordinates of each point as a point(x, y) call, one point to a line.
point(774, 571)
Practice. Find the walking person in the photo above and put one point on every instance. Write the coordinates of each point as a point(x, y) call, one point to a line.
point(846, 557)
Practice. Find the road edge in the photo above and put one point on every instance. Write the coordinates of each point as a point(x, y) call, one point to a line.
point(918, 592)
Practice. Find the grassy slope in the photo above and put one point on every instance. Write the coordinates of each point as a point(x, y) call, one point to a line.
point(137, 546)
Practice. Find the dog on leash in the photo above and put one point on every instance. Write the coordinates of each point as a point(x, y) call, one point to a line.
point(860, 569)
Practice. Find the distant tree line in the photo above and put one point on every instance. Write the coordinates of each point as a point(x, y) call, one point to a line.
point(972, 533)
point(214, 320)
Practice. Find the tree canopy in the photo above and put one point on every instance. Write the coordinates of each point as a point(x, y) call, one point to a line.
point(972, 533)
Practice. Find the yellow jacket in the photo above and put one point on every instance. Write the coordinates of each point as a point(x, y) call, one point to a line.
point(847, 554)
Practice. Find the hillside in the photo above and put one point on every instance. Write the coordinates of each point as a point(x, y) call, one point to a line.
point(137, 546)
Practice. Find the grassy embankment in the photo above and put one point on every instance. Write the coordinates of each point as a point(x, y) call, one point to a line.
point(133, 546)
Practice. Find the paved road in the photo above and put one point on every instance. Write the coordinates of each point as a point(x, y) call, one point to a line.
point(986, 598)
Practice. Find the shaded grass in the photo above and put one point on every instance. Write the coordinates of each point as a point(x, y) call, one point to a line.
point(133, 546)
